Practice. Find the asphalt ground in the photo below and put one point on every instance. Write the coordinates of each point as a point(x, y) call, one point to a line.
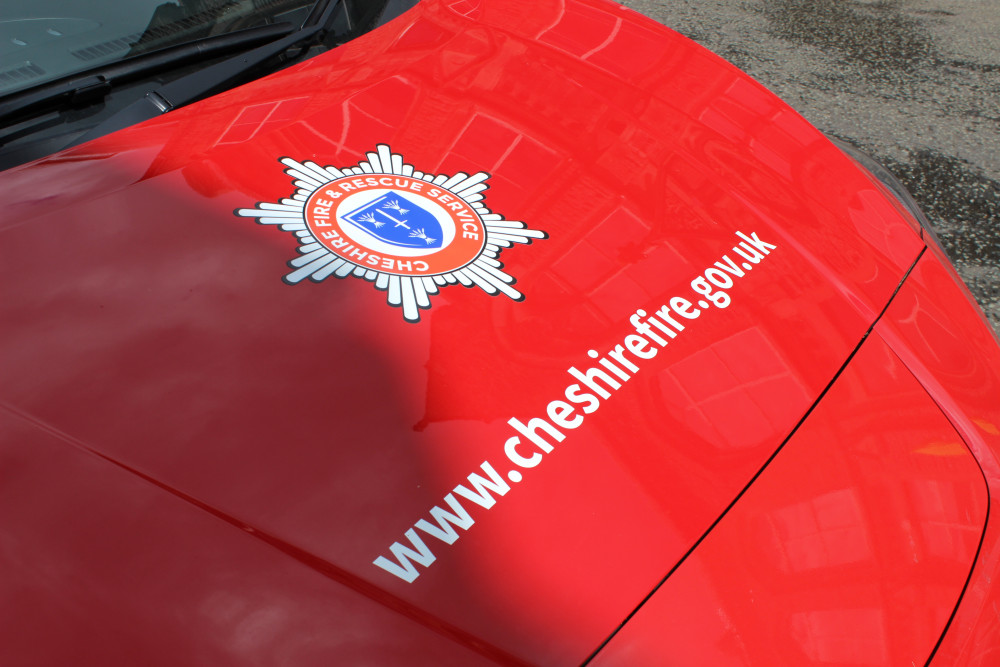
point(914, 83)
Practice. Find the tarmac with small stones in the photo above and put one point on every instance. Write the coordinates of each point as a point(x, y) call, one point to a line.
point(914, 83)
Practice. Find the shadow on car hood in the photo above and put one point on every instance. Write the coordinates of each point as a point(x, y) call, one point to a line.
point(669, 267)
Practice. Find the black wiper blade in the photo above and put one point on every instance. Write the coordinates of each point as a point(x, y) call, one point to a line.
point(81, 90)
point(216, 77)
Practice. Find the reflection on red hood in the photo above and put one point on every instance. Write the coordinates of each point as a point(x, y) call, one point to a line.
point(146, 322)
point(852, 547)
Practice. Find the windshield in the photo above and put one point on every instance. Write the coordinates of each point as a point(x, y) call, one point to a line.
point(43, 40)
point(71, 75)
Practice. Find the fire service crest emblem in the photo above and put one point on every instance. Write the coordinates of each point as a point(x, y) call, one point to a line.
point(408, 232)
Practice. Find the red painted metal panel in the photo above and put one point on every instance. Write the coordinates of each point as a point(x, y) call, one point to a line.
point(148, 322)
point(101, 567)
point(937, 330)
point(852, 547)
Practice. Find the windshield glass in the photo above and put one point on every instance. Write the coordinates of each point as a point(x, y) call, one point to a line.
point(43, 40)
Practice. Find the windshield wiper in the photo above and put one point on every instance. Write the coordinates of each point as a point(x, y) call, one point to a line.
point(85, 89)
point(216, 77)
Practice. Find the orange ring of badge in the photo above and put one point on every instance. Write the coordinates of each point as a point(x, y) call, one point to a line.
point(463, 234)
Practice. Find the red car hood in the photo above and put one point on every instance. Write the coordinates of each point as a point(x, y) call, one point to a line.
point(705, 249)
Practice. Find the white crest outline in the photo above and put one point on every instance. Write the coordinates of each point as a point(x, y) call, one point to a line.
point(411, 293)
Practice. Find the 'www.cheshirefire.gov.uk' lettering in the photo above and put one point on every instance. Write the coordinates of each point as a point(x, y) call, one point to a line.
point(592, 386)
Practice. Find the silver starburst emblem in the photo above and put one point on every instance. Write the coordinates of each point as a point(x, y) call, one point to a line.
point(408, 232)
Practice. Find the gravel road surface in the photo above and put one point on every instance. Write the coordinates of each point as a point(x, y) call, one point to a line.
point(915, 83)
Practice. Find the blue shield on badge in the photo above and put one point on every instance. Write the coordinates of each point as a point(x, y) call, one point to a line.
point(396, 220)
